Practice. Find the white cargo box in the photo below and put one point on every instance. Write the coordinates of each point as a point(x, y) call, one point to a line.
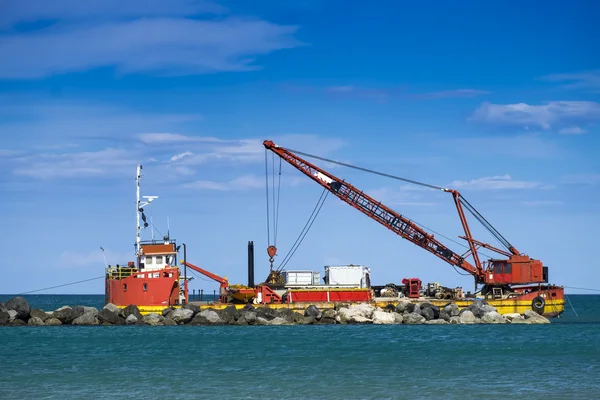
point(301, 278)
point(358, 276)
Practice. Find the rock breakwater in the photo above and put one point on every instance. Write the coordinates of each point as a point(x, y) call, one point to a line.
point(17, 311)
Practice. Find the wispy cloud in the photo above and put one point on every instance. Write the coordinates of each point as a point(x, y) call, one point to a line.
point(587, 80)
point(241, 183)
point(382, 94)
point(494, 183)
point(156, 42)
point(14, 11)
point(74, 165)
point(581, 179)
point(162, 138)
point(451, 94)
point(554, 114)
point(572, 130)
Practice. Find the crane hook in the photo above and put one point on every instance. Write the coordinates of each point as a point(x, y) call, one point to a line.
point(271, 251)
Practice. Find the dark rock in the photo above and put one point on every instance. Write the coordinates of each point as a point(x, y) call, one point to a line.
point(266, 313)
point(413, 318)
point(18, 322)
point(230, 314)
point(2, 308)
point(20, 305)
point(4, 317)
point(87, 318)
point(313, 311)
point(242, 321)
point(62, 314)
point(477, 308)
point(36, 312)
point(298, 318)
point(429, 311)
point(449, 311)
point(329, 314)
point(195, 308)
point(286, 313)
point(166, 311)
point(338, 306)
point(131, 320)
point(131, 309)
point(76, 312)
point(249, 317)
point(169, 321)
point(249, 307)
point(107, 316)
point(309, 320)
point(408, 308)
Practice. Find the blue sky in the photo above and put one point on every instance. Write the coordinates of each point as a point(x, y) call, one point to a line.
point(499, 101)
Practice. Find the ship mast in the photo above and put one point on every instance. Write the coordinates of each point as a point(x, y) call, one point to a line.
point(140, 209)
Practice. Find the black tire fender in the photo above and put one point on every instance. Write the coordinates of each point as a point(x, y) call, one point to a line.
point(538, 304)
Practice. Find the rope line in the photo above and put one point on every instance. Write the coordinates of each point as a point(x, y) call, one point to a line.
point(368, 170)
point(267, 192)
point(65, 284)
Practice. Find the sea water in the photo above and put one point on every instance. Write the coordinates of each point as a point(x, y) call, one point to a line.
point(556, 361)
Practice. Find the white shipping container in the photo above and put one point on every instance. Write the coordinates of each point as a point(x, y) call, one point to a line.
point(348, 275)
point(301, 277)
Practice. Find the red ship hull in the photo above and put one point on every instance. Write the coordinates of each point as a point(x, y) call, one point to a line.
point(145, 289)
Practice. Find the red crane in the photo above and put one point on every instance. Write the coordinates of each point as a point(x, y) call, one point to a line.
point(223, 282)
point(516, 268)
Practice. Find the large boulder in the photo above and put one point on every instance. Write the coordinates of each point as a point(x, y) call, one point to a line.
point(383, 318)
point(4, 317)
point(36, 312)
point(181, 316)
point(467, 317)
point(534, 318)
point(113, 308)
point(477, 308)
point(195, 308)
point(131, 309)
point(313, 311)
point(230, 314)
point(207, 317)
point(493, 317)
point(108, 317)
point(429, 311)
point(449, 311)
point(413, 318)
point(87, 318)
point(35, 321)
point(153, 319)
point(63, 314)
point(52, 322)
point(131, 320)
point(20, 305)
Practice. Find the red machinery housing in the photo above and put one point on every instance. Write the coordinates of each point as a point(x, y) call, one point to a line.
point(412, 287)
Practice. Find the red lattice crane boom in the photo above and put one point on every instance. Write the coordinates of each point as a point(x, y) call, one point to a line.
point(516, 269)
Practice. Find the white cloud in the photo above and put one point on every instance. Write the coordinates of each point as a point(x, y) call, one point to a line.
point(572, 130)
point(457, 93)
point(161, 138)
point(494, 183)
point(74, 165)
point(581, 179)
point(179, 156)
point(14, 11)
point(547, 116)
point(578, 80)
point(241, 183)
point(172, 46)
point(529, 146)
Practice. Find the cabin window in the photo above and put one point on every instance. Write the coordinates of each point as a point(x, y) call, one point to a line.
point(508, 268)
point(159, 259)
point(553, 294)
point(498, 268)
point(148, 259)
point(145, 287)
point(124, 287)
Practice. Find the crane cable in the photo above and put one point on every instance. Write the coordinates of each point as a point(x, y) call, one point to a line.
point(63, 285)
point(305, 230)
point(468, 205)
point(275, 200)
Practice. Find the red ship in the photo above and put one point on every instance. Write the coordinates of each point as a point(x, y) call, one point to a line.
point(152, 282)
